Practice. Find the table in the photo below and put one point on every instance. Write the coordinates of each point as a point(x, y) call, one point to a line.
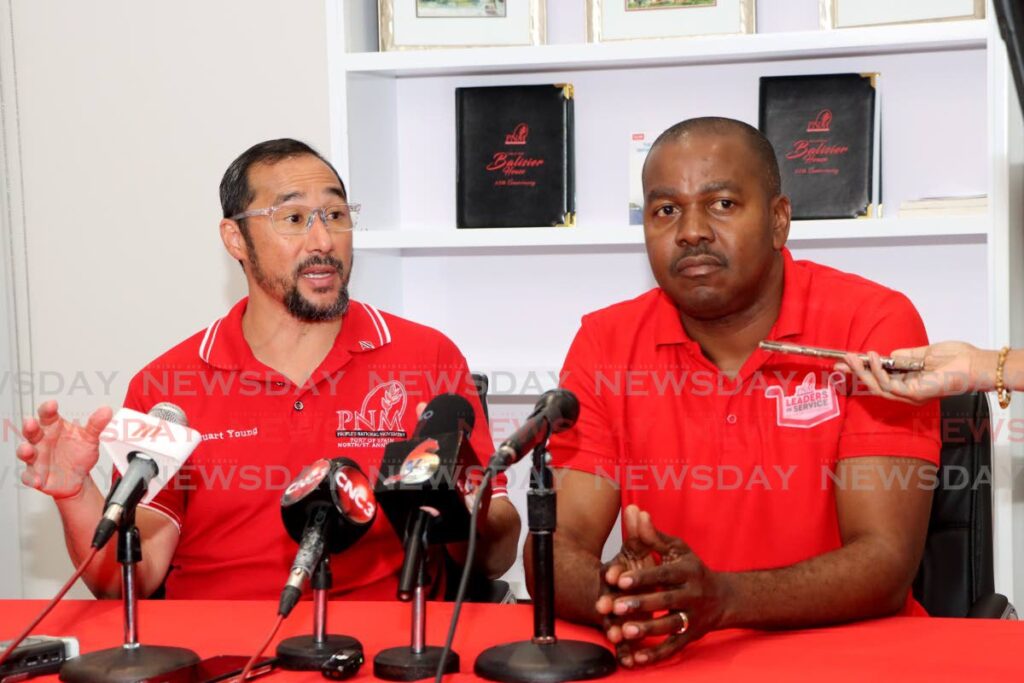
point(897, 648)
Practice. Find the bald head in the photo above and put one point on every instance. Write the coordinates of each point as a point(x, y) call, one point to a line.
point(761, 150)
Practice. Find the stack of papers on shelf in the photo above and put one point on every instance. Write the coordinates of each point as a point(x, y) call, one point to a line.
point(944, 206)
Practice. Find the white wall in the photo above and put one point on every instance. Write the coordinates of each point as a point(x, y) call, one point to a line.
point(10, 535)
point(10, 556)
point(130, 112)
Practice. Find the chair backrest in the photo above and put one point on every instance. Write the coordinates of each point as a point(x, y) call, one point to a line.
point(956, 569)
point(481, 383)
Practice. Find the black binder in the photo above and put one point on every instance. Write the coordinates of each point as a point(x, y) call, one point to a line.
point(515, 156)
point(825, 130)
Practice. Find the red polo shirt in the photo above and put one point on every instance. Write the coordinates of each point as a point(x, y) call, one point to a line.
point(744, 470)
point(259, 431)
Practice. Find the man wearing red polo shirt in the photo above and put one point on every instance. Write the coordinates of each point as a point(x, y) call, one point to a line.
point(759, 490)
point(293, 373)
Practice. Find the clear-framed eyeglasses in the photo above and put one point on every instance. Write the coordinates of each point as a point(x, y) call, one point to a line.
point(295, 219)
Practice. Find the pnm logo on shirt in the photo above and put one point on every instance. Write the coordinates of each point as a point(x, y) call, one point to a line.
point(378, 421)
point(808, 406)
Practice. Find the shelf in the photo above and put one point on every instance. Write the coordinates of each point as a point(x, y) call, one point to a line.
point(632, 236)
point(494, 238)
point(926, 37)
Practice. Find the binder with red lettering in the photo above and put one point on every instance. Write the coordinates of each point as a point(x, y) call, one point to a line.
point(826, 132)
point(514, 151)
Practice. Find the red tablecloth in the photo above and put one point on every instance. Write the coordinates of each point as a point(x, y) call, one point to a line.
point(899, 648)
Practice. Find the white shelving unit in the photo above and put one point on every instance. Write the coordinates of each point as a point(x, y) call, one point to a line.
point(852, 231)
point(692, 51)
point(512, 298)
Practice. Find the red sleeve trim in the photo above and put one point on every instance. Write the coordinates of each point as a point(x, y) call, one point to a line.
point(593, 468)
point(887, 445)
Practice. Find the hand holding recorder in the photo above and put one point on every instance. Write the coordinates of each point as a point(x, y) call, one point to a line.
point(947, 368)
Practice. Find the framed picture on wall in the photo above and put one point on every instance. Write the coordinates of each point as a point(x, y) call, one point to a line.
point(852, 13)
point(609, 20)
point(430, 24)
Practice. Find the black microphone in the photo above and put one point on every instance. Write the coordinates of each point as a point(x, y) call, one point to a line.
point(556, 411)
point(427, 473)
point(328, 508)
point(444, 414)
point(151, 456)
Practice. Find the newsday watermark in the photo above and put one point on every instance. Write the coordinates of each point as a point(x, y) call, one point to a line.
point(191, 381)
point(855, 474)
point(951, 430)
point(423, 385)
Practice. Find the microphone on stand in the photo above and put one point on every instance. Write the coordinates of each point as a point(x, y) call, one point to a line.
point(327, 509)
point(544, 658)
point(148, 450)
point(423, 489)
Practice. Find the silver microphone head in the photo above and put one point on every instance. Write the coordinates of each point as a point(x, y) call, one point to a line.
point(169, 412)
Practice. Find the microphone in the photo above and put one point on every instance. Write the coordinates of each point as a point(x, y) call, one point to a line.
point(428, 471)
point(328, 507)
point(444, 414)
point(556, 411)
point(148, 450)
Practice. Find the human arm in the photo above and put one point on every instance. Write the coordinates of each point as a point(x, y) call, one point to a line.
point(59, 457)
point(882, 528)
point(949, 368)
point(497, 541)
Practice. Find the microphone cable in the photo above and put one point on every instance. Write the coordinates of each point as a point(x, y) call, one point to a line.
point(460, 595)
point(266, 643)
point(49, 607)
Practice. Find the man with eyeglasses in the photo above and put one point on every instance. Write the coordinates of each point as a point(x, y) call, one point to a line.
point(294, 372)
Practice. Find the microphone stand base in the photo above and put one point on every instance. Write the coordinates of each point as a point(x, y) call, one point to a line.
point(529, 662)
point(127, 665)
point(303, 653)
point(402, 664)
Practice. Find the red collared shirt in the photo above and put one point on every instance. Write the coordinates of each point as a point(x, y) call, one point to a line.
point(259, 431)
point(744, 470)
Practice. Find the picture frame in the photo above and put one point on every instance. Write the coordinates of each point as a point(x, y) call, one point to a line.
point(616, 20)
point(839, 14)
point(439, 24)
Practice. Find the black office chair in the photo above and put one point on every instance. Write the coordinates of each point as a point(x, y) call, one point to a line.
point(956, 576)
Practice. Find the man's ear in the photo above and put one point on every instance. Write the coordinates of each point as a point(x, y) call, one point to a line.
point(781, 214)
point(234, 242)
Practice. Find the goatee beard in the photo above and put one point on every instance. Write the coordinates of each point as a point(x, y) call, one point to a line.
point(306, 311)
point(298, 306)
